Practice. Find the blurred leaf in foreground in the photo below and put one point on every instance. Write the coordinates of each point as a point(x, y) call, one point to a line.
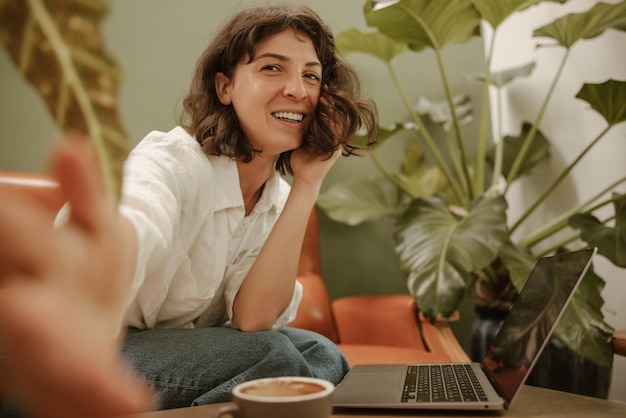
point(57, 47)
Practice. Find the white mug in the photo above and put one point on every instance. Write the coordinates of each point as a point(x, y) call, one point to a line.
point(281, 397)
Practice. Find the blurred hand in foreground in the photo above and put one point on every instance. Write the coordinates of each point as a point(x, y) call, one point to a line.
point(62, 296)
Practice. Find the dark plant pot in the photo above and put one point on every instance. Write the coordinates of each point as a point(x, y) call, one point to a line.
point(558, 367)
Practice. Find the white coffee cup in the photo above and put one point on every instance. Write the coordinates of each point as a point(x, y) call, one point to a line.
point(281, 397)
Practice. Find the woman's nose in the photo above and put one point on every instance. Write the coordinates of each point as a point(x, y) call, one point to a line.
point(295, 88)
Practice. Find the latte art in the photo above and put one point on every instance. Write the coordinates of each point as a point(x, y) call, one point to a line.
point(282, 388)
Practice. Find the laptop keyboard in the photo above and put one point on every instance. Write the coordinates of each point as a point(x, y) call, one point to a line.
point(442, 383)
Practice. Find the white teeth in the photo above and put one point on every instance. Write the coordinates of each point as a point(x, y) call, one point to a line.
point(289, 116)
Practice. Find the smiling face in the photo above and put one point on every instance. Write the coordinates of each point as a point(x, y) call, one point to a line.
point(275, 94)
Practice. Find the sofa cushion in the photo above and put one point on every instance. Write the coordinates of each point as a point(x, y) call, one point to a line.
point(380, 354)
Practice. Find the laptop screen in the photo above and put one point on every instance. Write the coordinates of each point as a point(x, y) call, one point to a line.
point(529, 324)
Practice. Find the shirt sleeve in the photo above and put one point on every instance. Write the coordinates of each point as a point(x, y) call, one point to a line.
point(158, 176)
point(290, 313)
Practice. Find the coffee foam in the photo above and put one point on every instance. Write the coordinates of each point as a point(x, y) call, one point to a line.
point(279, 388)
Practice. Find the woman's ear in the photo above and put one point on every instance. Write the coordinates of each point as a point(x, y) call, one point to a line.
point(222, 84)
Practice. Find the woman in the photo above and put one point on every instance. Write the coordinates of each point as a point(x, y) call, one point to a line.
point(211, 234)
point(219, 232)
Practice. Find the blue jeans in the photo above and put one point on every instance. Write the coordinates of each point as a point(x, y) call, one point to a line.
point(200, 366)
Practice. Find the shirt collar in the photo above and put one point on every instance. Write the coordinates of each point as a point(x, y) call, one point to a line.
point(271, 194)
point(228, 191)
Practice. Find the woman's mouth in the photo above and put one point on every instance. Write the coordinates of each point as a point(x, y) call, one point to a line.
point(292, 117)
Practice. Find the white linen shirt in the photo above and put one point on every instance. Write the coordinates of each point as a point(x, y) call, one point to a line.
point(195, 243)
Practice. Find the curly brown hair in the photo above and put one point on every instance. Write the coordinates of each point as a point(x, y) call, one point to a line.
point(215, 125)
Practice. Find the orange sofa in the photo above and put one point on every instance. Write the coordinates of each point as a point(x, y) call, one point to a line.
point(368, 329)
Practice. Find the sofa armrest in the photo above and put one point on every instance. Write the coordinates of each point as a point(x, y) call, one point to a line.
point(440, 337)
point(392, 320)
point(314, 312)
point(377, 320)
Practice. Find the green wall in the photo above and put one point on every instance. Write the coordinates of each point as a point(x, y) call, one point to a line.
point(156, 44)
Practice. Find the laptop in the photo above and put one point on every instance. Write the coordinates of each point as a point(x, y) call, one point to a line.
point(493, 383)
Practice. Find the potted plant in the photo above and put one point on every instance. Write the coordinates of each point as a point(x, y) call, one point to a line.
point(449, 197)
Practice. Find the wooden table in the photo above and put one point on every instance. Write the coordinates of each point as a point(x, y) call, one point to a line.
point(531, 402)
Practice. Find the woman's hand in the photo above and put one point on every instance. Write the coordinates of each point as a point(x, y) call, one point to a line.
point(62, 296)
point(310, 169)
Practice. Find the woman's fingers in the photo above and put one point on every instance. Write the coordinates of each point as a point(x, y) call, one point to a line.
point(62, 293)
point(76, 166)
point(56, 367)
point(26, 237)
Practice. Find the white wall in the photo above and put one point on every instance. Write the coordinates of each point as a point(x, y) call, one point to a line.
point(571, 126)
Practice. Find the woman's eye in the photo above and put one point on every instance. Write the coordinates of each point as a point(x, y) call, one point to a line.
point(312, 76)
point(271, 67)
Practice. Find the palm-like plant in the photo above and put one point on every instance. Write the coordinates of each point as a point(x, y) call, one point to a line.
point(450, 206)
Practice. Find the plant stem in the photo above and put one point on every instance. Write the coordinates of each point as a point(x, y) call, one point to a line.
point(560, 244)
point(561, 222)
point(72, 79)
point(464, 174)
point(499, 153)
point(614, 199)
point(558, 180)
point(521, 156)
point(454, 157)
point(481, 152)
point(388, 174)
point(437, 49)
point(567, 240)
point(430, 143)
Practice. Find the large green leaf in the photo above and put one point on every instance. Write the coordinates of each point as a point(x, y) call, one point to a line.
point(373, 43)
point(611, 241)
point(360, 201)
point(619, 26)
point(57, 47)
point(500, 282)
point(495, 12)
point(608, 99)
point(417, 176)
point(382, 135)
point(576, 26)
point(518, 261)
point(582, 327)
point(424, 23)
point(438, 249)
point(537, 156)
point(504, 77)
point(439, 112)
